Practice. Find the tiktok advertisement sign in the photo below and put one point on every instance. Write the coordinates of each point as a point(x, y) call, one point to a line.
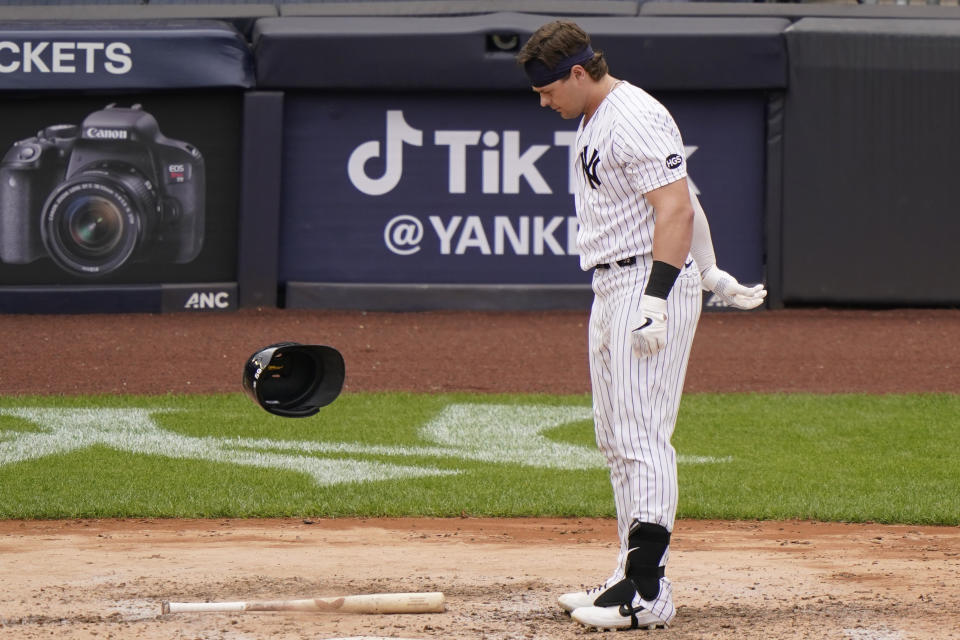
point(450, 189)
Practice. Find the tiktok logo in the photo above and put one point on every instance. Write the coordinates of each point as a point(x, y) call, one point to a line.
point(398, 133)
point(590, 167)
point(504, 163)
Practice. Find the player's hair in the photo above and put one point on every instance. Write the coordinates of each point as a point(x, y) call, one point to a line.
point(558, 40)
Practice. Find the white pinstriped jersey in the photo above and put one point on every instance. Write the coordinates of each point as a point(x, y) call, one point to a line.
point(630, 146)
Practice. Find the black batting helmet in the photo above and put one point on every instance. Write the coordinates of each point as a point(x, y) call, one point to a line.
point(294, 380)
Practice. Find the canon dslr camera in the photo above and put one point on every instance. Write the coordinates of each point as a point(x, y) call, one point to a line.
point(95, 197)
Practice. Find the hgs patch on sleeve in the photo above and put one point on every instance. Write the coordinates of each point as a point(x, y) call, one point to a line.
point(674, 161)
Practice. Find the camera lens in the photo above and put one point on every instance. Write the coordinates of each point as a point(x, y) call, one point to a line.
point(90, 227)
point(101, 218)
point(95, 225)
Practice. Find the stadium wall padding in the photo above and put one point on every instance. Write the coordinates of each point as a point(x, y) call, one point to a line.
point(454, 53)
point(870, 157)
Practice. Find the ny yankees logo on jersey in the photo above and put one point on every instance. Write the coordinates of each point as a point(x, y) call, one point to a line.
point(590, 166)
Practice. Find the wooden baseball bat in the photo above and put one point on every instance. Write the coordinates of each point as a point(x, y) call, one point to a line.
point(432, 602)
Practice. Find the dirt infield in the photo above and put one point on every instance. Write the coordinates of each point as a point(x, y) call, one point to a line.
point(106, 579)
point(811, 350)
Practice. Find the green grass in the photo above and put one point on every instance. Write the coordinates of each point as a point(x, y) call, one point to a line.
point(891, 458)
point(845, 457)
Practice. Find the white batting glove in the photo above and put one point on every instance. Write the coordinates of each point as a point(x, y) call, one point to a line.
point(651, 335)
point(726, 287)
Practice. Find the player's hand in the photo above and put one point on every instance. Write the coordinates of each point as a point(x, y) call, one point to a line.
point(726, 287)
point(651, 335)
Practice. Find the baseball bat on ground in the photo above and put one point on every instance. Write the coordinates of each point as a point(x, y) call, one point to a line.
point(432, 602)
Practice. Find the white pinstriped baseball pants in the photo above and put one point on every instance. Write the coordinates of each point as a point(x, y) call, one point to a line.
point(635, 401)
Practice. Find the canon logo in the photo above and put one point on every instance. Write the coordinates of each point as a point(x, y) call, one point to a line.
point(107, 134)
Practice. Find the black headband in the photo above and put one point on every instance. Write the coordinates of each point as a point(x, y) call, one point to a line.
point(541, 75)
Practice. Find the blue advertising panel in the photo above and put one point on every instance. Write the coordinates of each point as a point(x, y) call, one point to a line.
point(446, 188)
point(122, 55)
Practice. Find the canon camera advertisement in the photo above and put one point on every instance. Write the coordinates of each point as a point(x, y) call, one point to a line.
point(443, 188)
point(137, 189)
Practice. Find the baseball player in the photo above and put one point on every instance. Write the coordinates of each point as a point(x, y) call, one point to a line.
point(649, 247)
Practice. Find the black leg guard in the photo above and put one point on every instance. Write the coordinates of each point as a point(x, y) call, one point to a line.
point(647, 542)
point(619, 594)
